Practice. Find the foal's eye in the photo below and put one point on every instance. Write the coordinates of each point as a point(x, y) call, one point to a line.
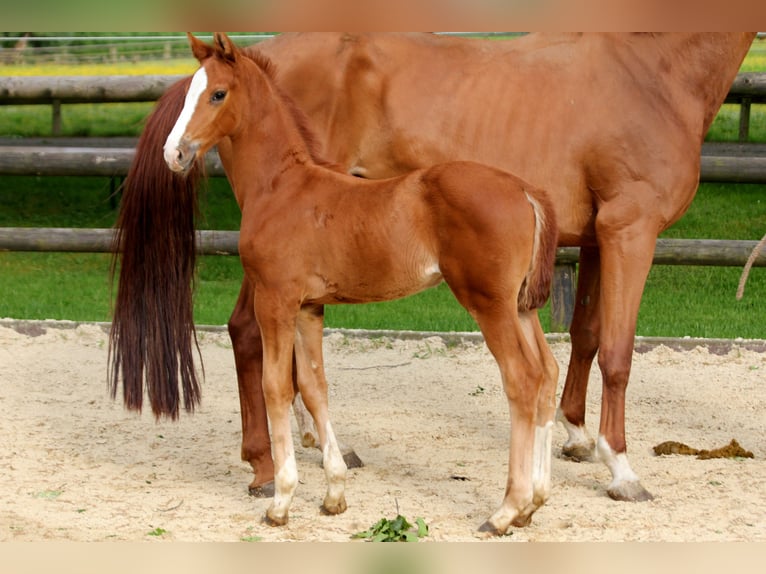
point(217, 96)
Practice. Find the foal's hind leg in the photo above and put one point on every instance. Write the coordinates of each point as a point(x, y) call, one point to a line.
point(313, 386)
point(522, 377)
point(546, 406)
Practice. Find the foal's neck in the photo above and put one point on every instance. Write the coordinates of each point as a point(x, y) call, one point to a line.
point(269, 143)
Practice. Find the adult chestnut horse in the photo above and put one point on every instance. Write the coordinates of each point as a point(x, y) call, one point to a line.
point(312, 235)
point(611, 125)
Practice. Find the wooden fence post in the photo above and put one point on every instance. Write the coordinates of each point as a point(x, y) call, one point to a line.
point(744, 119)
point(56, 119)
point(563, 292)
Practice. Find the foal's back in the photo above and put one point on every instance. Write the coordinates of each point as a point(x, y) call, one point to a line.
point(352, 241)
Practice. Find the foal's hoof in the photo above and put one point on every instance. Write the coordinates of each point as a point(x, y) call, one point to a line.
point(352, 460)
point(334, 508)
point(491, 529)
point(631, 491)
point(273, 520)
point(308, 440)
point(579, 452)
point(522, 520)
point(265, 490)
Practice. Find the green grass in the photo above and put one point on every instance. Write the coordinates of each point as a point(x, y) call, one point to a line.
point(77, 120)
point(700, 301)
point(725, 127)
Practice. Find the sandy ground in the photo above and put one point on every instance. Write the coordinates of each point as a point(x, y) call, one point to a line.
point(429, 419)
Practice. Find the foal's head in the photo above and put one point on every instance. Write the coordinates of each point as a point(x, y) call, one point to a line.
point(214, 105)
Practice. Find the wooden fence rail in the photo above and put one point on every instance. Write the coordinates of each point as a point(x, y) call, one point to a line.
point(740, 163)
point(704, 252)
point(111, 89)
point(748, 88)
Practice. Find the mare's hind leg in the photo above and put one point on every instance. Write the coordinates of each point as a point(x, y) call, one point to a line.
point(584, 332)
point(313, 386)
point(248, 358)
point(546, 406)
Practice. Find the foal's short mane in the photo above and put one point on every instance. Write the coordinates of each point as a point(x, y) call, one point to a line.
point(301, 120)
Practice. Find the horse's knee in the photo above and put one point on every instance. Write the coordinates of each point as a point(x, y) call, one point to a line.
point(615, 367)
point(245, 335)
point(584, 340)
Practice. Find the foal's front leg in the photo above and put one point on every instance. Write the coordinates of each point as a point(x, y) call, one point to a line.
point(277, 322)
point(313, 387)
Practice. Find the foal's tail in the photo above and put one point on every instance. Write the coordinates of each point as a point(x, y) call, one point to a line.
point(536, 287)
point(152, 333)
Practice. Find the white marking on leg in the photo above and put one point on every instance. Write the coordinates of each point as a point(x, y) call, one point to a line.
point(335, 469)
point(577, 435)
point(285, 483)
point(541, 463)
point(196, 88)
point(617, 463)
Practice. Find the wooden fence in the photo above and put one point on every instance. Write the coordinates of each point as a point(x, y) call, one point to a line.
point(747, 89)
point(730, 162)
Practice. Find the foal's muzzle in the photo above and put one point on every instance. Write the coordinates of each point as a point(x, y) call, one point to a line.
point(181, 157)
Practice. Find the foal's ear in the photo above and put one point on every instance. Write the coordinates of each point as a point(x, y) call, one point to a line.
point(225, 47)
point(200, 50)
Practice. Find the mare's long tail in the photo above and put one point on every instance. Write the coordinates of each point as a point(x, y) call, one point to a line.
point(152, 335)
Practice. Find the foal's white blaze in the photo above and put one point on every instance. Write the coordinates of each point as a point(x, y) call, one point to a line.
point(618, 464)
point(196, 89)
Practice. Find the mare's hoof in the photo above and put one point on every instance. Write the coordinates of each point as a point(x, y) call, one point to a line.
point(579, 453)
point(265, 490)
point(352, 460)
point(629, 492)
